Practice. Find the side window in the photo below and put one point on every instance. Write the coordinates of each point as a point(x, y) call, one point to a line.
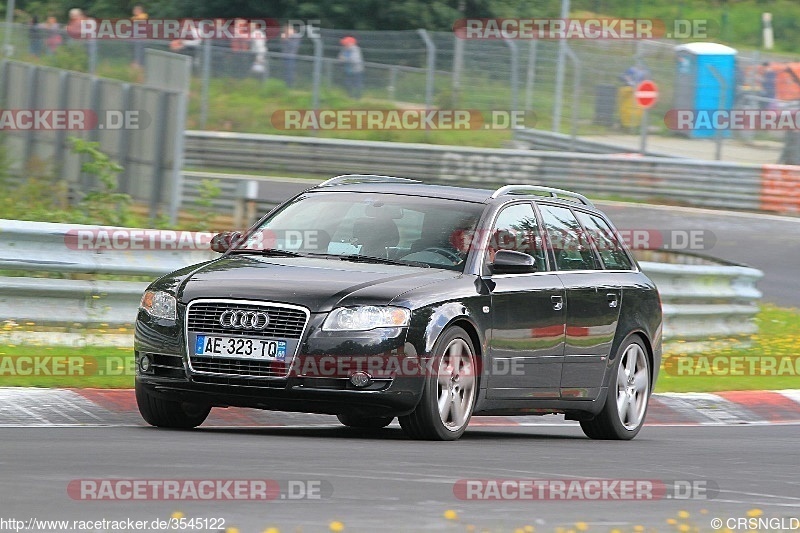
point(606, 242)
point(571, 248)
point(517, 229)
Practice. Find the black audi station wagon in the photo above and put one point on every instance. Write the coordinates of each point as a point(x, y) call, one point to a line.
point(373, 297)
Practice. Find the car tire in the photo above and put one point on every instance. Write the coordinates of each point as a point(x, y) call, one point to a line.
point(625, 408)
point(169, 414)
point(363, 422)
point(449, 393)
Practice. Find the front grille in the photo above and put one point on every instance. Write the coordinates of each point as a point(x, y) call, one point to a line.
point(239, 367)
point(284, 322)
point(238, 382)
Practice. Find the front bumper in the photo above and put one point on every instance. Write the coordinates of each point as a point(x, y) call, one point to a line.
point(315, 382)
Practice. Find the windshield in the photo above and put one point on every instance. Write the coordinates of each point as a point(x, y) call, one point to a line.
point(415, 230)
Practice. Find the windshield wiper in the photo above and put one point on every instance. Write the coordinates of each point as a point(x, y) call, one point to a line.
point(355, 258)
point(272, 252)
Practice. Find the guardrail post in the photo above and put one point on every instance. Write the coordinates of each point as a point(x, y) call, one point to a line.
point(431, 67)
point(3, 81)
point(8, 50)
point(91, 48)
point(61, 135)
point(392, 82)
point(530, 79)
point(723, 90)
point(576, 91)
point(159, 141)
point(316, 77)
point(244, 210)
point(33, 72)
point(559, 86)
point(176, 179)
point(205, 80)
point(514, 78)
point(123, 146)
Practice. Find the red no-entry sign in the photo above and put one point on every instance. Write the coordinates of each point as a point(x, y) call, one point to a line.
point(646, 94)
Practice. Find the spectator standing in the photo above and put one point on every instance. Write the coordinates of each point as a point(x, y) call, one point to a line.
point(188, 46)
point(353, 61)
point(138, 44)
point(258, 46)
point(74, 23)
point(240, 48)
point(35, 37)
point(53, 38)
point(768, 85)
point(76, 17)
point(290, 45)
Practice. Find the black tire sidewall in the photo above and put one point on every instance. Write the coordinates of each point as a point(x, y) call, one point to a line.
point(610, 409)
point(430, 395)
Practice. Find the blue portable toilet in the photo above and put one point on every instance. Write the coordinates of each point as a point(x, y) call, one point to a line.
point(697, 87)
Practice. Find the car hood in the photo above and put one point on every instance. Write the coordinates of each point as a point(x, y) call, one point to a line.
point(317, 283)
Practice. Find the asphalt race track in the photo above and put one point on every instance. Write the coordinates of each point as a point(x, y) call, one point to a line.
point(380, 481)
point(768, 242)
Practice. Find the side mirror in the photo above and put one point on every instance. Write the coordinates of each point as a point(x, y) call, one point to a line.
point(222, 242)
point(511, 262)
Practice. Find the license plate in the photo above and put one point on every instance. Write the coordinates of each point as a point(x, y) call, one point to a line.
point(240, 348)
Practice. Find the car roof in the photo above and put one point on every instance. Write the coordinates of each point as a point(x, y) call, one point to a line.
point(449, 192)
point(412, 188)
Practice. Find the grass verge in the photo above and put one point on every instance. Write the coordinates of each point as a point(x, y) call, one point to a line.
point(778, 339)
point(727, 367)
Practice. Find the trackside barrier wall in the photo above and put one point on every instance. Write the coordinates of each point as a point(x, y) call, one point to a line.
point(691, 182)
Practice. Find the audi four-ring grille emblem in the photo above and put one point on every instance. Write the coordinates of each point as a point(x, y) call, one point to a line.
point(238, 319)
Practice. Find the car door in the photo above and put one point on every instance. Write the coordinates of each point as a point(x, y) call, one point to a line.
point(593, 301)
point(527, 334)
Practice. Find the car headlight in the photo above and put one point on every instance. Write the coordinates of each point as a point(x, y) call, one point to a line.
point(366, 317)
point(159, 304)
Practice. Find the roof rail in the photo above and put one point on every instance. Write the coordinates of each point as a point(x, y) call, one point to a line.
point(362, 178)
point(552, 191)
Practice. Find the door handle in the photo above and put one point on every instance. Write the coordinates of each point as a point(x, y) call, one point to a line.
point(613, 301)
point(558, 302)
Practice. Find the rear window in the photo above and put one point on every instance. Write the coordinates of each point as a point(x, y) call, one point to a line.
point(605, 240)
point(571, 248)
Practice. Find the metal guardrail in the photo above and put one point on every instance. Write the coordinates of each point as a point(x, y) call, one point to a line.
point(533, 139)
point(700, 300)
point(704, 302)
point(704, 183)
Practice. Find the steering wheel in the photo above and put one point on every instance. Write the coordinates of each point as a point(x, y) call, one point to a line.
point(445, 253)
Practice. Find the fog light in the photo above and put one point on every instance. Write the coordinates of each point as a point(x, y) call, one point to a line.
point(360, 379)
point(144, 363)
